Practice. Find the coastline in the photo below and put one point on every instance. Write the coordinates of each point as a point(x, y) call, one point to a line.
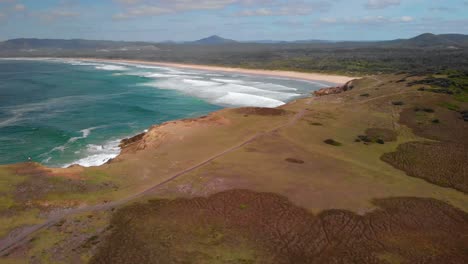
point(337, 79)
point(270, 73)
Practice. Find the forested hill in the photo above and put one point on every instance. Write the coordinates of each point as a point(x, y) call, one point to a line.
point(423, 53)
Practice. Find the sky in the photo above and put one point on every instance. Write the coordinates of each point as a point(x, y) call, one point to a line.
point(182, 20)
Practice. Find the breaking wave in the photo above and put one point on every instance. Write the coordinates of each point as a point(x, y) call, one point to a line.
point(217, 88)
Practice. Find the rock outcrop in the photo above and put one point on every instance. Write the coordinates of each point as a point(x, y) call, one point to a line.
point(335, 90)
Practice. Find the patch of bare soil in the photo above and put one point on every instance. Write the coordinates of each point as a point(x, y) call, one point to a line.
point(441, 163)
point(128, 141)
point(262, 111)
point(241, 226)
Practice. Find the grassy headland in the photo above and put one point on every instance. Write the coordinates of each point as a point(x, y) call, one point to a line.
point(256, 185)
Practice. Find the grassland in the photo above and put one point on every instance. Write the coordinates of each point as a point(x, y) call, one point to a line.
point(257, 185)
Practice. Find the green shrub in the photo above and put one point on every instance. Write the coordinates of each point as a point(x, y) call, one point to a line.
point(428, 110)
point(332, 142)
point(364, 138)
point(450, 106)
point(315, 124)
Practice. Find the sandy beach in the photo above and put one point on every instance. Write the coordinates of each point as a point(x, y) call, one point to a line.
point(338, 79)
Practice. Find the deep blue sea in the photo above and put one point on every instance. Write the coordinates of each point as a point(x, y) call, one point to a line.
point(63, 112)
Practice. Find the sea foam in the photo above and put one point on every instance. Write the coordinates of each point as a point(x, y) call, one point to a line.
point(248, 100)
point(96, 155)
point(225, 89)
point(111, 67)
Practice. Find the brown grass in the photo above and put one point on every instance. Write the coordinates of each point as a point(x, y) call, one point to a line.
point(262, 111)
point(441, 163)
point(384, 134)
point(41, 183)
point(451, 128)
point(444, 163)
point(242, 226)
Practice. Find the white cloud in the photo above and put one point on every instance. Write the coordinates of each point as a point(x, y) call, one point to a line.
point(367, 20)
point(406, 19)
point(381, 4)
point(19, 7)
point(54, 14)
point(289, 8)
point(136, 8)
point(328, 20)
point(286, 11)
point(256, 12)
point(142, 11)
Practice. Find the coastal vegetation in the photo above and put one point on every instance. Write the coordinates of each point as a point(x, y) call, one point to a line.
point(427, 53)
point(247, 185)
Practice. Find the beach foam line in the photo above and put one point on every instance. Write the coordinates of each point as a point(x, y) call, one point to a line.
point(328, 79)
point(111, 67)
point(242, 99)
point(200, 83)
point(227, 80)
point(272, 86)
point(218, 93)
point(96, 155)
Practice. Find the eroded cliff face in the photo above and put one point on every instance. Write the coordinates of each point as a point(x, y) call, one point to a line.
point(158, 134)
point(335, 90)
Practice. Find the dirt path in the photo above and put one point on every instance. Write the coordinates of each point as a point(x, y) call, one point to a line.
point(10, 242)
point(382, 96)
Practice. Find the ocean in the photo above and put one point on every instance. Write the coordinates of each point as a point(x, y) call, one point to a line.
point(60, 112)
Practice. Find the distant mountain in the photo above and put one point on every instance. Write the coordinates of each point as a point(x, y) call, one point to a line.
point(460, 38)
point(429, 40)
point(213, 40)
point(306, 41)
point(424, 41)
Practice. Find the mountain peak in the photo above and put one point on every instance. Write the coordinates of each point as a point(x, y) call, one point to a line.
point(214, 39)
point(426, 36)
point(432, 40)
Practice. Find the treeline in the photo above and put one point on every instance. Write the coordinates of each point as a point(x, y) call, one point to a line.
point(354, 60)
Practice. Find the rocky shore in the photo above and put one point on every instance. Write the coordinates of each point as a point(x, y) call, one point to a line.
point(335, 90)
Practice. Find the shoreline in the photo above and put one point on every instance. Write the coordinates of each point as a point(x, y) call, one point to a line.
point(337, 79)
point(294, 75)
point(334, 79)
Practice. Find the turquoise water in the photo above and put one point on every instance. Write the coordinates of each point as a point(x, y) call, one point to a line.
point(62, 112)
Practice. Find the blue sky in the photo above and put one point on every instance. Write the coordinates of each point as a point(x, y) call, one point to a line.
point(159, 20)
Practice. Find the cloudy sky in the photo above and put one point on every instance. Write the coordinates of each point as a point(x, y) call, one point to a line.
point(159, 20)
